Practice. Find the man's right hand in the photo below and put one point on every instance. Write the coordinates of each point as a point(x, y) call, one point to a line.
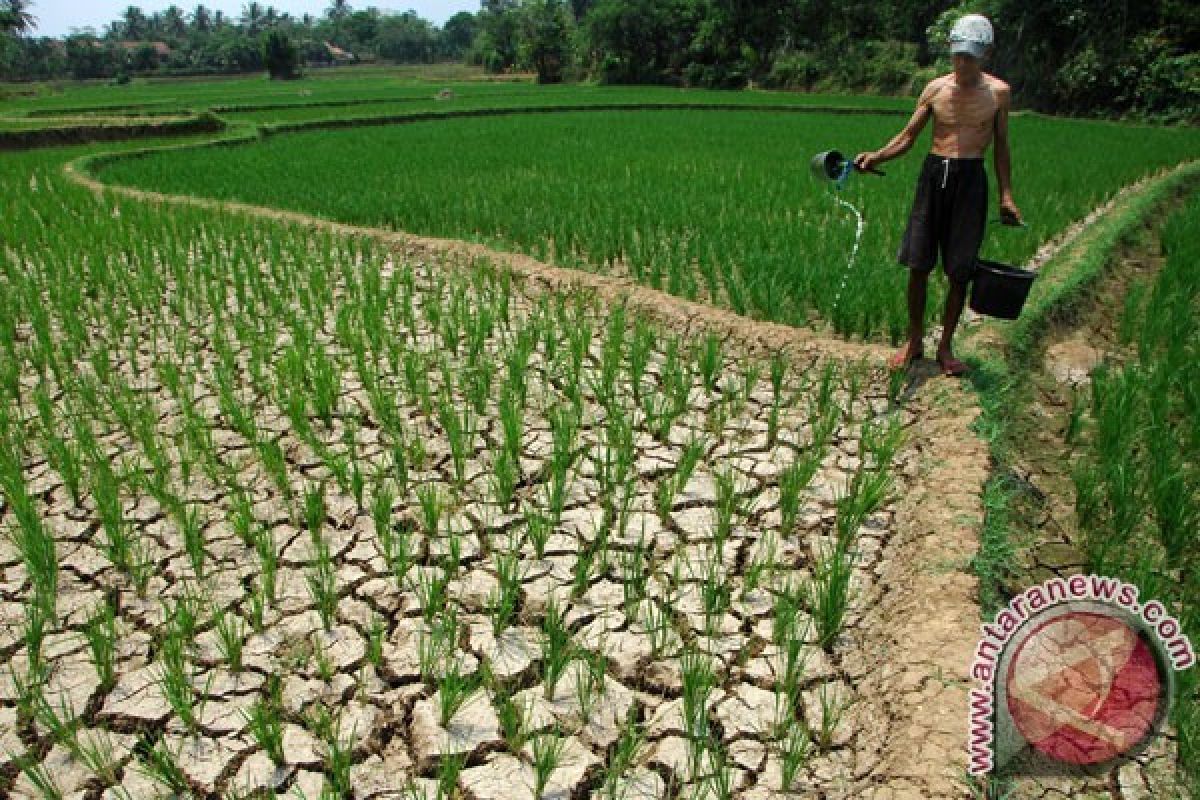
point(865, 161)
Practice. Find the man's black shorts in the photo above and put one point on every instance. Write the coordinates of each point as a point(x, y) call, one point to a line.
point(949, 214)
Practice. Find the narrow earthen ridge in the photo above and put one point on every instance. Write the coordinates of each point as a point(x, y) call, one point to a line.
point(922, 630)
point(926, 625)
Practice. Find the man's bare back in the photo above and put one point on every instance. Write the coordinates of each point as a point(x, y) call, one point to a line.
point(964, 118)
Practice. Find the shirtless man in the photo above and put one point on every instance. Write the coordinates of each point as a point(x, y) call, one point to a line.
point(969, 108)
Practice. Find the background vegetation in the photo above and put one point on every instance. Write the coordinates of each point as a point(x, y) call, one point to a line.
point(1072, 56)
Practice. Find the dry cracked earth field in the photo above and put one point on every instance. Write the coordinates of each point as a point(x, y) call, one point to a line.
point(328, 518)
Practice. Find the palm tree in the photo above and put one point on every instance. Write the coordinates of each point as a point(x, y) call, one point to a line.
point(174, 22)
point(136, 25)
point(252, 17)
point(15, 17)
point(338, 9)
point(202, 20)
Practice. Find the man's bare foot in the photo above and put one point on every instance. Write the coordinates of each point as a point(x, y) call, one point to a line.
point(950, 365)
point(905, 356)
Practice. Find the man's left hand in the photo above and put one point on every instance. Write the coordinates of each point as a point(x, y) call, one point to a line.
point(1009, 213)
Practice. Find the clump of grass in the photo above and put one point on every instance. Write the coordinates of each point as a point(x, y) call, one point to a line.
point(265, 721)
point(795, 747)
point(231, 633)
point(100, 630)
point(506, 598)
point(829, 592)
point(454, 690)
point(698, 680)
point(547, 752)
point(558, 649)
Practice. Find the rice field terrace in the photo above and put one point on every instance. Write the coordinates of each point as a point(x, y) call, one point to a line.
point(292, 509)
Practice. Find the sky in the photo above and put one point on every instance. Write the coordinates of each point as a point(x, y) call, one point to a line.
point(59, 17)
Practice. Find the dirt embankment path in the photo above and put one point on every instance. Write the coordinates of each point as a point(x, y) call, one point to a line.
point(921, 622)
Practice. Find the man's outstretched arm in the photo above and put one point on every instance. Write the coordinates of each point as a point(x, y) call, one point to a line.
point(902, 142)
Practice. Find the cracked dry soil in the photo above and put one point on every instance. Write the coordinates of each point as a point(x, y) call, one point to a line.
point(881, 703)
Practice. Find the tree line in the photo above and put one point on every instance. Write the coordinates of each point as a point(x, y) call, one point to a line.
point(1065, 56)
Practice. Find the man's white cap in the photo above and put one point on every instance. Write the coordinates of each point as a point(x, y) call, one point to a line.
point(972, 35)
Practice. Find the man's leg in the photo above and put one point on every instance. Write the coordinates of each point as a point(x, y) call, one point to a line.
point(955, 298)
point(918, 286)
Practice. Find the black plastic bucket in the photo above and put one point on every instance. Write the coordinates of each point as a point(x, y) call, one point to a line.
point(999, 290)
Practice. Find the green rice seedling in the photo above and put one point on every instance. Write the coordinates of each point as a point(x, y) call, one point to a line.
point(35, 544)
point(546, 754)
point(449, 768)
point(635, 573)
point(793, 480)
point(729, 505)
point(512, 422)
point(400, 460)
point(326, 385)
point(432, 588)
point(34, 636)
point(97, 754)
point(275, 463)
point(715, 594)
point(868, 490)
point(191, 525)
point(641, 345)
point(795, 748)
point(669, 487)
point(538, 529)
point(829, 592)
point(322, 582)
point(581, 573)
point(833, 707)
point(175, 680)
point(339, 760)
point(708, 359)
point(40, 778)
point(505, 478)
point(438, 643)
point(231, 633)
point(657, 622)
point(100, 630)
point(268, 560)
point(720, 778)
point(457, 428)
point(264, 720)
point(558, 650)
point(512, 720)
point(777, 370)
point(452, 560)
point(159, 764)
point(762, 562)
point(591, 684)
point(454, 690)
point(65, 457)
point(506, 598)
point(241, 515)
point(314, 509)
point(564, 426)
point(431, 508)
point(698, 680)
point(376, 635)
point(624, 754)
